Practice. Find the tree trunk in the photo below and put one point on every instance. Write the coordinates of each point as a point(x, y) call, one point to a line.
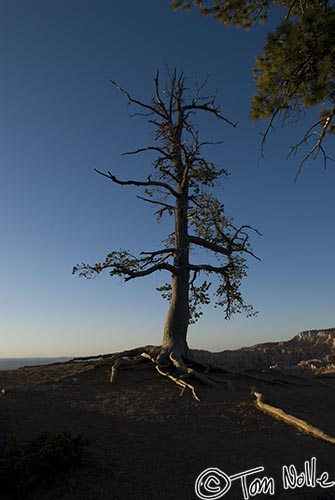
point(177, 320)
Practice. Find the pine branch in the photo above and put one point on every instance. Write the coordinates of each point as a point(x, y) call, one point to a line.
point(149, 148)
point(119, 269)
point(209, 245)
point(164, 185)
point(209, 268)
point(267, 131)
point(318, 146)
point(170, 251)
point(234, 243)
point(158, 267)
point(155, 202)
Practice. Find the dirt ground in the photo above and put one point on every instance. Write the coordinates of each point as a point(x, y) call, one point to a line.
point(147, 441)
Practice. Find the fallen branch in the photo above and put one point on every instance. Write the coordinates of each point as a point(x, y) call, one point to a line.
point(290, 419)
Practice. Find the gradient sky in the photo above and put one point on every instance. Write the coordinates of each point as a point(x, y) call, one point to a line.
point(61, 118)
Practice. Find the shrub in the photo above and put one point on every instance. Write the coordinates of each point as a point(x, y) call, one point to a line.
point(39, 462)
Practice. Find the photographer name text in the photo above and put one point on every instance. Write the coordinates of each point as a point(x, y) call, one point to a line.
point(213, 483)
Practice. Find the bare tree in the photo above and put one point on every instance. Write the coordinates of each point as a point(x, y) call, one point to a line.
point(181, 186)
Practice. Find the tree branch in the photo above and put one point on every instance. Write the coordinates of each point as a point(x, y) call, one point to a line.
point(139, 274)
point(209, 109)
point(234, 243)
point(209, 245)
point(164, 185)
point(152, 109)
point(267, 130)
point(149, 148)
point(155, 202)
point(209, 268)
point(210, 143)
point(194, 277)
point(240, 230)
point(160, 252)
point(158, 97)
point(318, 146)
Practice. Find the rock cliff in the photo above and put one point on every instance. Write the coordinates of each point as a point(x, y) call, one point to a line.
point(312, 350)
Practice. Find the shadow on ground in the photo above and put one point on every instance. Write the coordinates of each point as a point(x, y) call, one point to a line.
point(149, 442)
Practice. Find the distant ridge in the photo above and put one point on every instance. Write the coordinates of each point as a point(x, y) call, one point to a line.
point(311, 350)
point(14, 363)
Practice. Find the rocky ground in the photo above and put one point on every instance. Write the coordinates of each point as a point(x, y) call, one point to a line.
point(148, 441)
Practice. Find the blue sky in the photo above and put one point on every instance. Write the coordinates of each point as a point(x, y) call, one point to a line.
point(61, 118)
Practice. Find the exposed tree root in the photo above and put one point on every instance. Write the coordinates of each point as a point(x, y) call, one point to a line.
point(179, 382)
point(178, 366)
point(182, 367)
point(124, 362)
point(289, 419)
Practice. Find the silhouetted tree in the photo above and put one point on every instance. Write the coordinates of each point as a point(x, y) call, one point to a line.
point(296, 71)
point(181, 185)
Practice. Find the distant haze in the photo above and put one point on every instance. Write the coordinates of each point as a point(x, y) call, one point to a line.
point(13, 363)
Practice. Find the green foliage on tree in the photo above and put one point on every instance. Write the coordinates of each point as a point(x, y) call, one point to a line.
point(296, 71)
point(240, 13)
